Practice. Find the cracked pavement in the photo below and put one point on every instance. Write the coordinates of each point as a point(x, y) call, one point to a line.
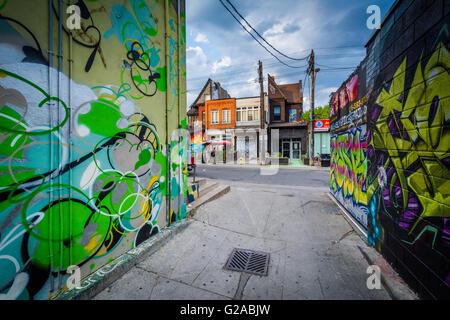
point(313, 250)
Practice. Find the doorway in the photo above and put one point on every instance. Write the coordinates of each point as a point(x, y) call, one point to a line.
point(291, 148)
point(247, 149)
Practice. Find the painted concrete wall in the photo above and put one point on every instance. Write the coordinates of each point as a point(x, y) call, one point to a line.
point(406, 141)
point(348, 146)
point(90, 162)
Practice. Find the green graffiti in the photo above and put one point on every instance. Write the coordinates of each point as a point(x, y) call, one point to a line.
point(3, 4)
point(144, 158)
point(83, 173)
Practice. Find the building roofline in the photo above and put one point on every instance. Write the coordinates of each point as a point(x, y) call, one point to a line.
point(265, 94)
point(387, 16)
point(220, 100)
point(201, 91)
point(276, 85)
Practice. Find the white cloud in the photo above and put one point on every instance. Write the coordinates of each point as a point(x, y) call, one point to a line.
point(250, 89)
point(293, 28)
point(323, 96)
point(198, 63)
point(276, 29)
point(222, 63)
point(201, 37)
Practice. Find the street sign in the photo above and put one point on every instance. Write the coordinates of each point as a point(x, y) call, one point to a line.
point(322, 125)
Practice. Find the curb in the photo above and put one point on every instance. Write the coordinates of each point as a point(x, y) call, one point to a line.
point(255, 166)
point(109, 273)
point(210, 196)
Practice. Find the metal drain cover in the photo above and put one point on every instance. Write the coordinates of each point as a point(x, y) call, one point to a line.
point(249, 261)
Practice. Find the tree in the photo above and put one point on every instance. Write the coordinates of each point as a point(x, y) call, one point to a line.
point(319, 113)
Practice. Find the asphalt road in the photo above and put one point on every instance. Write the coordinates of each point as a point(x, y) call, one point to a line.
point(285, 176)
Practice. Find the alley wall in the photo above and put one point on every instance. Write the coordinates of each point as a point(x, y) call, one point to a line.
point(405, 171)
point(91, 162)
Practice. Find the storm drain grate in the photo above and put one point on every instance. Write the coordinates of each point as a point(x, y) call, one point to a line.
point(249, 261)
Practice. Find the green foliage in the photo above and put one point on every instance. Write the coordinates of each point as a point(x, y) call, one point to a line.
point(319, 113)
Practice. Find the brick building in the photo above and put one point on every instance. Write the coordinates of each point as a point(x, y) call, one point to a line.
point(285, 115)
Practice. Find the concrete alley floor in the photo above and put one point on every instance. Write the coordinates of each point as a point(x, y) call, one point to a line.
point(313, 250)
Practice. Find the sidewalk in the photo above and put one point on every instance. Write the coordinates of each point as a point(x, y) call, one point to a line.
point(314, 252)
point(295, 165)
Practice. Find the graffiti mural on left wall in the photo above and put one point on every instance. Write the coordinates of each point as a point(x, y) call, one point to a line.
point(83, 167)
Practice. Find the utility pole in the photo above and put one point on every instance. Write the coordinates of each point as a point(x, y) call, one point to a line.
point(261, 114)
point(312, 71)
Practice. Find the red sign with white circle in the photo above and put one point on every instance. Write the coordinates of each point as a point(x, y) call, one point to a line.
point(322, 125)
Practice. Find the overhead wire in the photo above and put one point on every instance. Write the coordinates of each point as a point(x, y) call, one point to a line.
point(284, 55)
point(223, 4)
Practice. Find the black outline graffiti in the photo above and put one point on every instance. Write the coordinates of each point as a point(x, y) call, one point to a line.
point(32, 55)
point(136, 59)
point(85, 14)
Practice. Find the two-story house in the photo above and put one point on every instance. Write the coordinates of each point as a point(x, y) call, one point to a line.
point(196, 114)
point(285, 115)
point(220, 122)
point(247, 134)
point(210, 91)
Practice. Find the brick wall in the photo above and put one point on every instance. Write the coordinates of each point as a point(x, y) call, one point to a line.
point(408, 140)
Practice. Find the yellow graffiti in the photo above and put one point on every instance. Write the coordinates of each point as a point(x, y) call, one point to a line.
point(348, 166)
point(422, 137)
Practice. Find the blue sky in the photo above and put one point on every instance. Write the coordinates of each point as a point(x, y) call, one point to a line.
point(218, 47)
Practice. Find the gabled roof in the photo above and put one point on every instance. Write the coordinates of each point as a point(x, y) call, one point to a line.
point(222, 93)
point(209, 81)
point(274, 84)
point(291, 92)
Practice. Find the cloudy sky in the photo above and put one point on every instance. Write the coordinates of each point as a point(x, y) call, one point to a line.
point(220, 49)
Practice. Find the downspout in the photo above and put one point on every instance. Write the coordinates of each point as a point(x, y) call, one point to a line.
point(50, 65)
point(179, 104)
point(70, 151)
point(179, 62)
point(168, 173)
point(61, 214)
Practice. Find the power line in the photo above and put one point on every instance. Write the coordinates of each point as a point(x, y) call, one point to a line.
point(234, 8)
point(228, 74)
point(278, 75)
point(255, 80)
point(246, 67)
point(334, 68)
point(257, 39)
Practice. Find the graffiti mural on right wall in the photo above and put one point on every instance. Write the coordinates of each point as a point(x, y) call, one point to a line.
point(408, 170)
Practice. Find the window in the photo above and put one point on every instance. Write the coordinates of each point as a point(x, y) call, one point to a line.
point(276, 113)
point(214, 117)
point(255, 113)
point(226, 116)
point(203, 117)
point(247, 114)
